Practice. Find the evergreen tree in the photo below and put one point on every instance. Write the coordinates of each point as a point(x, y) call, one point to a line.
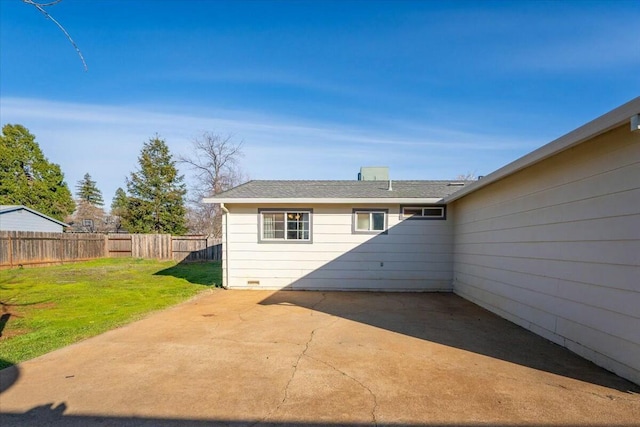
point(28, 178)
point(156, 193)
point(89, 215)
point(118, 208)
point(119, 203)
point(87, 191)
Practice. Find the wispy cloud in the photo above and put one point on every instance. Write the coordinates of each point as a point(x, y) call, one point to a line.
point(270, 77)
point(105, 141)
point(602, 49)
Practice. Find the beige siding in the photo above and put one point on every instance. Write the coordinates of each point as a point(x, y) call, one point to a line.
point(414, 255)
point(556, 248)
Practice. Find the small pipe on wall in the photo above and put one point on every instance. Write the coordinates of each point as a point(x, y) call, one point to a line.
point(225, 246)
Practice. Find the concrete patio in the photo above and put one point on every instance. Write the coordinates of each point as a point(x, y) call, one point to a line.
point(311, 358)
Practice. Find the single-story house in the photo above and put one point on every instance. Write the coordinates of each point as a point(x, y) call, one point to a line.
point(550, 241)
point(22, 218)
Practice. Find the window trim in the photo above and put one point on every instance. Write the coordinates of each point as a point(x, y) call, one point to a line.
point(284, 240)
point(354, 221)
point(422, 217)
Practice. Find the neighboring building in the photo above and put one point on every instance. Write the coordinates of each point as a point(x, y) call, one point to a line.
point(22, 218)
point(550, 241)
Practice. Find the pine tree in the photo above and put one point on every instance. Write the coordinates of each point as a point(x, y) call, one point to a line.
point(119, 203)
point(156, 193)
point(87, 191)
point(118, 208)
point(28, 178)
point(89, 215)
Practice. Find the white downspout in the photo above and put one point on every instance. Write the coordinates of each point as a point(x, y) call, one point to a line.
point(225, 246)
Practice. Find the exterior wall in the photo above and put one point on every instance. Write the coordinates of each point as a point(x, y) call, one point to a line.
point(23, 220)
point(414, 255)
point(555, 248)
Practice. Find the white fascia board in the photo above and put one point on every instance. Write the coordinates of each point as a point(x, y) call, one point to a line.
point(602, 124)
point(314, 201)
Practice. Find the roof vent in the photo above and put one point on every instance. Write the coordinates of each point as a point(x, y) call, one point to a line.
point(374, 173)
point(635, 123)
point(456, 184)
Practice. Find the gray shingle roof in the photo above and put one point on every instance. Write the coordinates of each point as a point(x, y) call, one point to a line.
point(342, 189)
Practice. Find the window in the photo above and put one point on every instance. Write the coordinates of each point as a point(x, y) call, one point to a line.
point(424, 212)
point(282, 226)
point(369, 221)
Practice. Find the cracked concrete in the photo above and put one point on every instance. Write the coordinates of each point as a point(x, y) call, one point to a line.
point(334, 358)
point(295, 369)
point(360, 383)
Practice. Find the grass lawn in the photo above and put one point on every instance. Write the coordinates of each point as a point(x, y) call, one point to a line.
point(47, 308)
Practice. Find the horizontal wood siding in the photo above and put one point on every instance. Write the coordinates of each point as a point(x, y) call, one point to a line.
point(23, 220)
point(414, 255)
point(556, 248)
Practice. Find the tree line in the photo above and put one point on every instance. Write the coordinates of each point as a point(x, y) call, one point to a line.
point(156, 199)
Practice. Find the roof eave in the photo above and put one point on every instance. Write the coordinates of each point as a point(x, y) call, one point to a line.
point(324, 201)
point(602, 124)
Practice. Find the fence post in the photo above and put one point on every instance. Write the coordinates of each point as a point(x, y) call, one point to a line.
point(10, 251)
point(61, 246)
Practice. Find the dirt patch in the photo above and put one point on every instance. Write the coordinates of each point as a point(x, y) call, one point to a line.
point(18, 310)
point(43, 305)
point(11, 333)
point(11, 312)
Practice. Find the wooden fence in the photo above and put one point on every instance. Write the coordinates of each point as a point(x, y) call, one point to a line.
point(23, 248)
point(164, 246)
point(195, 248)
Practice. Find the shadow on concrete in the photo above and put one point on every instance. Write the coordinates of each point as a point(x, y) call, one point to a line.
point(51, 415)
point(450, 320)
point(421, 258)
point(208, 273)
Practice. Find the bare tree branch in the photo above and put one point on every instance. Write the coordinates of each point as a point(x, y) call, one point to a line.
point(216, 169)
point(40, 7)
point(469, 176)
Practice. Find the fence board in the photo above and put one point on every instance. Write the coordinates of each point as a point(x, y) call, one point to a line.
point(118, 245)
point(195, 248)
point(39, 248)
point(156, 246)
point(32, 247)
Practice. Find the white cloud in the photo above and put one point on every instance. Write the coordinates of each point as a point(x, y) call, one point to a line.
point(106, 140)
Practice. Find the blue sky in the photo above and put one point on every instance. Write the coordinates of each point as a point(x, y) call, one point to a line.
point(314, 89)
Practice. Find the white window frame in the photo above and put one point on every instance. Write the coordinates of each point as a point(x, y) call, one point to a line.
point(354, 221)
point(285, 212)
point(422, 215)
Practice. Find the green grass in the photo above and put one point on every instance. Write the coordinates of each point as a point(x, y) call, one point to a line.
point(47, 308)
